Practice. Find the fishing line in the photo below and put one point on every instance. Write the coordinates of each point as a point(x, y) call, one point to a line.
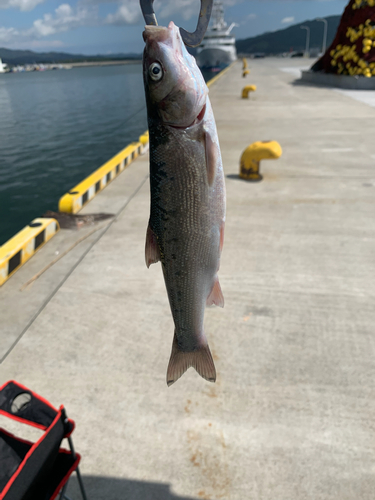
point(134, 114)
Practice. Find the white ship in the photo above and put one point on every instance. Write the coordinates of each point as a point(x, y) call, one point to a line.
point(3, 67)
point(218, 48)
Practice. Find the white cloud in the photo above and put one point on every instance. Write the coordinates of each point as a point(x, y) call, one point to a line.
point(128, 12)
point(38, 44)
point(230, 3)
point(184, 8)
point(287, 20)
point(23, 5)
point(25, 40)
point(64, 19)
point(246, 19)
point(7, 34)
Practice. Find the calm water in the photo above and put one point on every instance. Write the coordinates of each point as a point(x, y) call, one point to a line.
point(56, 127)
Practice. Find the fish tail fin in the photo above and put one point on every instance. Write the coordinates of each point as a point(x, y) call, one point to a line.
point(201, 360)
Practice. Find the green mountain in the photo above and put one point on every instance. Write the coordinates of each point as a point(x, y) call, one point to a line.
point(290, 39)
point(14, 57)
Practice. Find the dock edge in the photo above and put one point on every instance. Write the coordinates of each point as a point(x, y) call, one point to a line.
point(19, 249)
point(73, 201)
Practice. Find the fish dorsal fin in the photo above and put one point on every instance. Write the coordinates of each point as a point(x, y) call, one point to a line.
point(216, 295)
point(212, 155)
point(152, 252)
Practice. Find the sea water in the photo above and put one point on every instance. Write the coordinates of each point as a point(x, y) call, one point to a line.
point(56, 128)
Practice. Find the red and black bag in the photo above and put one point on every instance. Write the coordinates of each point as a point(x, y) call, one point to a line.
point(40, 470)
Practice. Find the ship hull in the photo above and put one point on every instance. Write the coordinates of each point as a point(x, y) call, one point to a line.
point(215, 57)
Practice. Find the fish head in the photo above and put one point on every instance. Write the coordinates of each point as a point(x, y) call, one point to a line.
point(174, 85)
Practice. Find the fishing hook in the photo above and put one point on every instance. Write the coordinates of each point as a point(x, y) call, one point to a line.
point(190, 39)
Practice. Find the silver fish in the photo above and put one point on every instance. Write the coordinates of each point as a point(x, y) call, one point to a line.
point(186, 226)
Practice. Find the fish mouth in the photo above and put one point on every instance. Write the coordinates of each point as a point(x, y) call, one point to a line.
point(195, 122)
point(155, 34)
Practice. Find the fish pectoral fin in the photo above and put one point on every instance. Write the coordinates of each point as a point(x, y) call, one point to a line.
point(212, 155)
point(201, 360)
point(216, 296)
point(152, 252)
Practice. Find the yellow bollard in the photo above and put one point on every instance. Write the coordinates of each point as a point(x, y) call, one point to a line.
point(244, 62)
point(143, 139)
point(245, 72)
point(247, 89)
point(253, 154)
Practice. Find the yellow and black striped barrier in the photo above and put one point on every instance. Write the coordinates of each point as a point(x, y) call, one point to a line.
point(18, 250)
point(76, 198)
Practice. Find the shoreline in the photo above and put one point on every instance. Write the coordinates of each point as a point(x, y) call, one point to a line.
point(100, 63)
point(67, 65)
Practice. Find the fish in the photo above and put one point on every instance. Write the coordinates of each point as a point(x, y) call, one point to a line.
point(187, 190)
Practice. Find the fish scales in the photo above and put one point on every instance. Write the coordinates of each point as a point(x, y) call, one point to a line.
point(187, 195)
point(180, 227)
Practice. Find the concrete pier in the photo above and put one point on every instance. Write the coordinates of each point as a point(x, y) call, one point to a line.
point(291, 415)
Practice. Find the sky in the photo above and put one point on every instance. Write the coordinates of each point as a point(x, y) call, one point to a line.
point(109, 27)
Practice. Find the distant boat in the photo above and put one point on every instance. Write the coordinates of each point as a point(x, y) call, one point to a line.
point(3, 67)
point(218, 48)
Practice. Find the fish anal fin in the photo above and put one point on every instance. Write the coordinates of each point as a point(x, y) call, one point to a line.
point(200, 359)
point(216, 295)
point(152, 252)
point(212, 155)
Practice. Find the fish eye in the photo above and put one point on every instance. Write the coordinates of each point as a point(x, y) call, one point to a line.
point(155, 71)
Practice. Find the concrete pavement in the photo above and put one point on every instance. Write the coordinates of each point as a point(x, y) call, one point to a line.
point(291, 414)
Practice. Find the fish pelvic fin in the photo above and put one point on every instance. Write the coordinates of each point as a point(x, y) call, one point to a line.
point(216, 296)
point(200, 359)
point(152, 252)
